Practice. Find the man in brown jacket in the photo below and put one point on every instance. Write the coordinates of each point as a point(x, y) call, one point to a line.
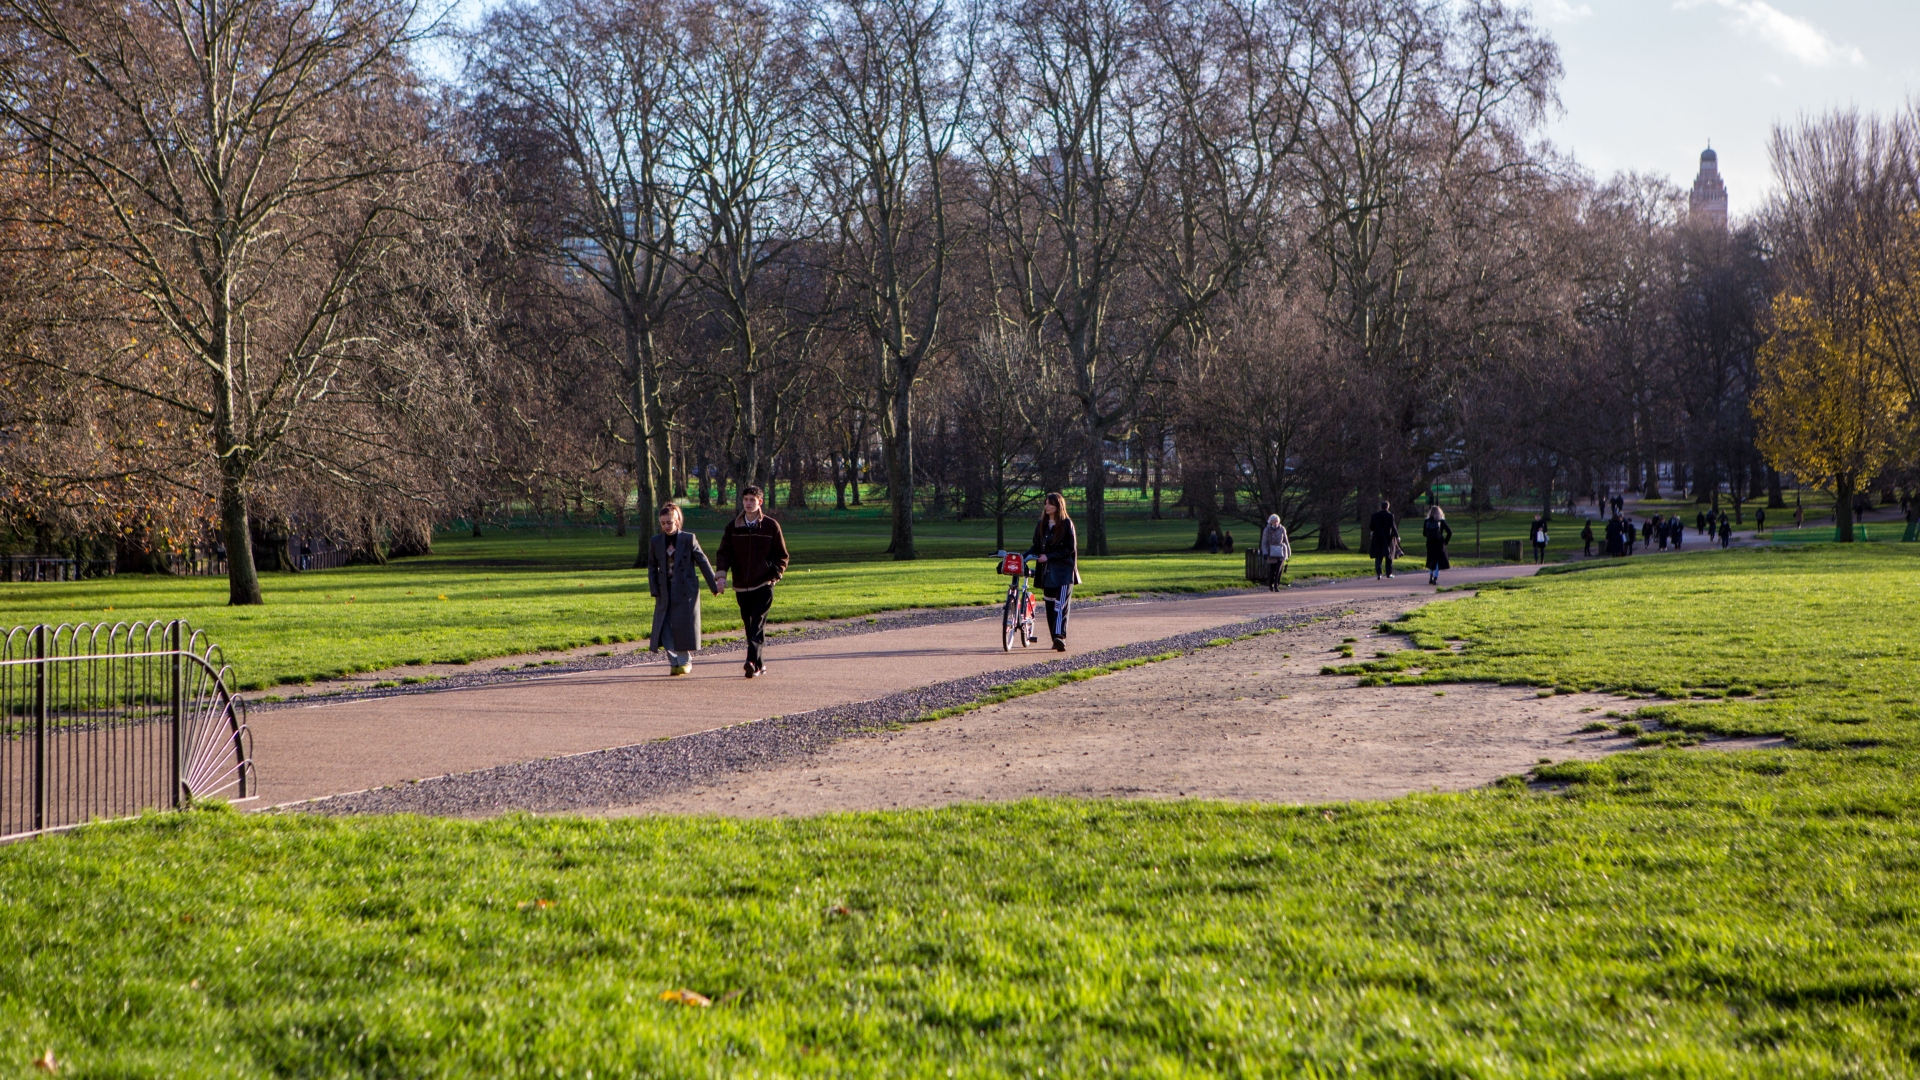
point(754, 551)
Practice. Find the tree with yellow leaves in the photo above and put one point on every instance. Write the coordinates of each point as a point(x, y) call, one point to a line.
point(1829, 405)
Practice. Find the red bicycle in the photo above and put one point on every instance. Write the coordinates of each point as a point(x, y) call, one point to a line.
point(1016, 618)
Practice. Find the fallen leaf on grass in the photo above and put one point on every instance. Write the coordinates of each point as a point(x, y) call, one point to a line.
point(840, 910)
point(45, 1062)
point(684, 996)
point(539, 905)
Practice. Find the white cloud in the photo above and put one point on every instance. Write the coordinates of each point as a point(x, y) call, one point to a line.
point(1796, 37)
point(1561, 11)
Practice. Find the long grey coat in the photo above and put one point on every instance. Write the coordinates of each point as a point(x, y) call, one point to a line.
point(678, 597)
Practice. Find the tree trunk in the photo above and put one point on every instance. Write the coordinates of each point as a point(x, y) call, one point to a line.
point(643, 456)
point(1096, 538)
point(243, 579)
point(896, 433)
point(1776, 499)
point(1843, 508)
point(478, 510)
point(1159, 468)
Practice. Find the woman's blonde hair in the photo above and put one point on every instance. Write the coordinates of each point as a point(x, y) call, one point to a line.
point(1434, 513)
point(1272, 520)
point(672, 509)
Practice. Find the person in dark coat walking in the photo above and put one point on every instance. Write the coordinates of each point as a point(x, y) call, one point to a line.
point(1537, 533)
point(1438, 534)
point(1382, 530)
point(1615, 544)
point(1586, 538)
point(1056, 548)
point(754, 551)
point(673, 555)
point(1726, 531)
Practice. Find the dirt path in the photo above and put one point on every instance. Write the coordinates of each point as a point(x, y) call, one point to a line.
point(326, 749)
point(1251, 721)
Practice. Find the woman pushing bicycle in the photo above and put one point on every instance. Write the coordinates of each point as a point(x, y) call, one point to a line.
point(1056, 548)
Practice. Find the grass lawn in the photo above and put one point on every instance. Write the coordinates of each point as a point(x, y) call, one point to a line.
point(529, 590)
point(1669, 913)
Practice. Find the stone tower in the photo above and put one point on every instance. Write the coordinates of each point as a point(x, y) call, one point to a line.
point(1707, 205)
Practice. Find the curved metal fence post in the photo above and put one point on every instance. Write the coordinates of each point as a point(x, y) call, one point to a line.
point(178, 663)
point(40, 634)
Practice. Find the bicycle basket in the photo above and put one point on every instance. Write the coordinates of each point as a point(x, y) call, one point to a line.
point(1014, 564)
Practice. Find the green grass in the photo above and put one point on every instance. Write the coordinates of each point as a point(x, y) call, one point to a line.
point(1662, 913)
point(1815, 642)
point(528, 591)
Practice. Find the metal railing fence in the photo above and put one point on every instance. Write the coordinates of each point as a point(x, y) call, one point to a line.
point(104, 722)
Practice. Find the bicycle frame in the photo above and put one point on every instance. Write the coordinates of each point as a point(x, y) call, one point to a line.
point(1016, 616)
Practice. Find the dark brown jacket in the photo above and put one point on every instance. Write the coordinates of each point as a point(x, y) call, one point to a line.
point(753, 555)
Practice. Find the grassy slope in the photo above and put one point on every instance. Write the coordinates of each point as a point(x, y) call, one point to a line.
point(1673, 913)
point(524, 591)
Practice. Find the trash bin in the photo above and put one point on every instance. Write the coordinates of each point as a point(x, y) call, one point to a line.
point(1510, 550)
point(1256, 566)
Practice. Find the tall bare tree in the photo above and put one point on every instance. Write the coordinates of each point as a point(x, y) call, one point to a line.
point(254, 157)
point(891, 86)
point(582, 96)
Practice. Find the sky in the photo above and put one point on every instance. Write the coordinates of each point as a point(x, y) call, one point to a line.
point(1649, 82)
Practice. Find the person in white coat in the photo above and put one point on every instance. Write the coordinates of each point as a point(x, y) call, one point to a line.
point(1277, 549)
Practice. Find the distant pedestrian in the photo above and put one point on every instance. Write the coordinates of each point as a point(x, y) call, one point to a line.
point(1586, 538)
point(1057, 547)
point(1615, 546)
point(1276, 548)
point(1679, 529)
point(673, 556)
point(1213, 541)
point(1382, 531)
point(1226, 541)
point(1726, 532)
point(1646, 531)
point(1438, 534)
point(1760, 519)
point(1700, 522)
point(754, 551)
point(1538, 534)
point(1629, 532)
point(1799, 516)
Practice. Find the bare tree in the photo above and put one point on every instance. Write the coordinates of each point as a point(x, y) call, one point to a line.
point(254, 158)
point(891, 87)
point(581, 96)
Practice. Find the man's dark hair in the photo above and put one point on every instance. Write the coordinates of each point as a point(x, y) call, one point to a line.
point(753, 490)
point(1384, 505)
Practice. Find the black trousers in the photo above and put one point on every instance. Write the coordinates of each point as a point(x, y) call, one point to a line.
point(1058, 602)
point(1380, 561)
point(753, 618)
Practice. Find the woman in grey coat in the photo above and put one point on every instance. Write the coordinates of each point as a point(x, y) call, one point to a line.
point(1275, 545)
point(672, 556)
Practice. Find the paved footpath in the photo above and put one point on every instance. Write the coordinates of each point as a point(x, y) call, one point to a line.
point(330, 749)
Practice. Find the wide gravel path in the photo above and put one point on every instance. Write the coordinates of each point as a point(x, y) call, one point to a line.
point(318, 750)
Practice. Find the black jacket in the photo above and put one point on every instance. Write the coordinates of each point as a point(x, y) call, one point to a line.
point(1382, 531)
point(1438, 535)
point(1062, 549)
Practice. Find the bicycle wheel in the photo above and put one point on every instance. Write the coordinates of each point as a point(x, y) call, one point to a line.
point(1010, 621)
point(1026, 619)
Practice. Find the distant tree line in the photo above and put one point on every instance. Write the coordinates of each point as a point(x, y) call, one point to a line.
point(260, 276)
